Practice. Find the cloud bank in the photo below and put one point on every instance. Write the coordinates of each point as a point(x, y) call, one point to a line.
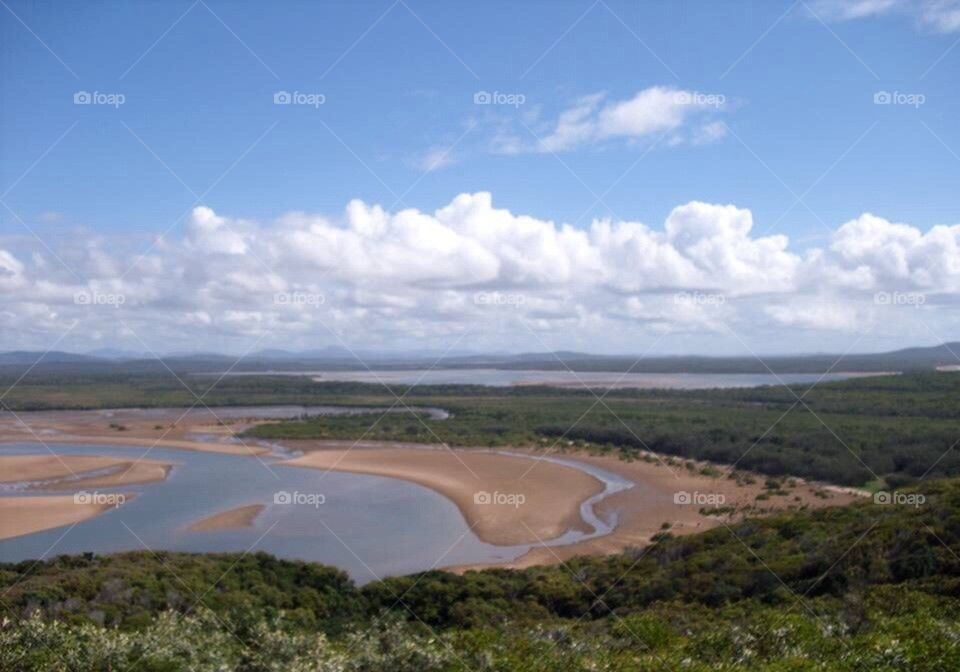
point(392, 279)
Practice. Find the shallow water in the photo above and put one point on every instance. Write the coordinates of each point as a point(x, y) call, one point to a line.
point(506, 378)
point(370, 526)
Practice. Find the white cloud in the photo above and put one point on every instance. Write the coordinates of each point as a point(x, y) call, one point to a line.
point(939, 15)
point(682, 115)
point(435, 159)
point(818, 315)
point(389, 277)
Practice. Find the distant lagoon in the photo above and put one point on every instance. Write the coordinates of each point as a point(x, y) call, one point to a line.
point(599, 379)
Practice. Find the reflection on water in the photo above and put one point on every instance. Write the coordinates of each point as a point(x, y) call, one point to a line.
point(369, 526)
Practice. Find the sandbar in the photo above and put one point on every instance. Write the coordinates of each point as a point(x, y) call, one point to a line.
point(26, 515)
point(67, 471)
point(231, 519)
point(672, 495)
point(503, 501)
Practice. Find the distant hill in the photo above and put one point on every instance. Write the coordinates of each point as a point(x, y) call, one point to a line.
point(26, 357)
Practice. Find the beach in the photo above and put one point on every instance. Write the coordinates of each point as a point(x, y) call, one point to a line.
point(506, 500)
point(25, 515)
point(669, 496)
point(502, 500)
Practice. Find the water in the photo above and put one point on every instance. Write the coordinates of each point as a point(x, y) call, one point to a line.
point(370, 526)
point(506, 378)
point(212, 413)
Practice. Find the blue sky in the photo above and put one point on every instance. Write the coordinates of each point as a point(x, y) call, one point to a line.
point(398, 80)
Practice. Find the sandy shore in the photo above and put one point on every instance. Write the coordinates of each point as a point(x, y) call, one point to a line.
point(70, 470)
point(669, 494)
point(26, 515)
point(160, 428)
point(672, 495)
point(522, 508)
point(231, 519)
point(503, 499)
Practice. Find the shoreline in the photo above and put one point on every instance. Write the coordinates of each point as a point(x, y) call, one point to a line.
point(500, 502)
point(20, 516)
point(651, 507)
point(539, 502)
point(140, 442)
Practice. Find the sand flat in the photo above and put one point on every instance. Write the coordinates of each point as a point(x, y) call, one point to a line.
point(14, 468)
point(651, 504)
point(232, 519)
point(551, 494)
point(71, 468)
point(26, 515)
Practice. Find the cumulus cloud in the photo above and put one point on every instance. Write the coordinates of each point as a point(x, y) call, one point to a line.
point(375, 277)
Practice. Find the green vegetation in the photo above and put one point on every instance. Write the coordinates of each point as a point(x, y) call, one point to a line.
point(869, 586)
point(888, 431)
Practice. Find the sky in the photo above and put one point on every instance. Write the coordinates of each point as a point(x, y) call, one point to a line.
point(641, 177)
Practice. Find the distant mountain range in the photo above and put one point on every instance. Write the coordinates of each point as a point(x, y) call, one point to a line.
point(340, 358)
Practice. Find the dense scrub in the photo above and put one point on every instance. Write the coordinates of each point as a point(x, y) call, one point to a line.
point(894, 428)
point(869, 586)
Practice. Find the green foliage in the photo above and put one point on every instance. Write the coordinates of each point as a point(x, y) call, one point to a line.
point(894, 428)
point(867, 586)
